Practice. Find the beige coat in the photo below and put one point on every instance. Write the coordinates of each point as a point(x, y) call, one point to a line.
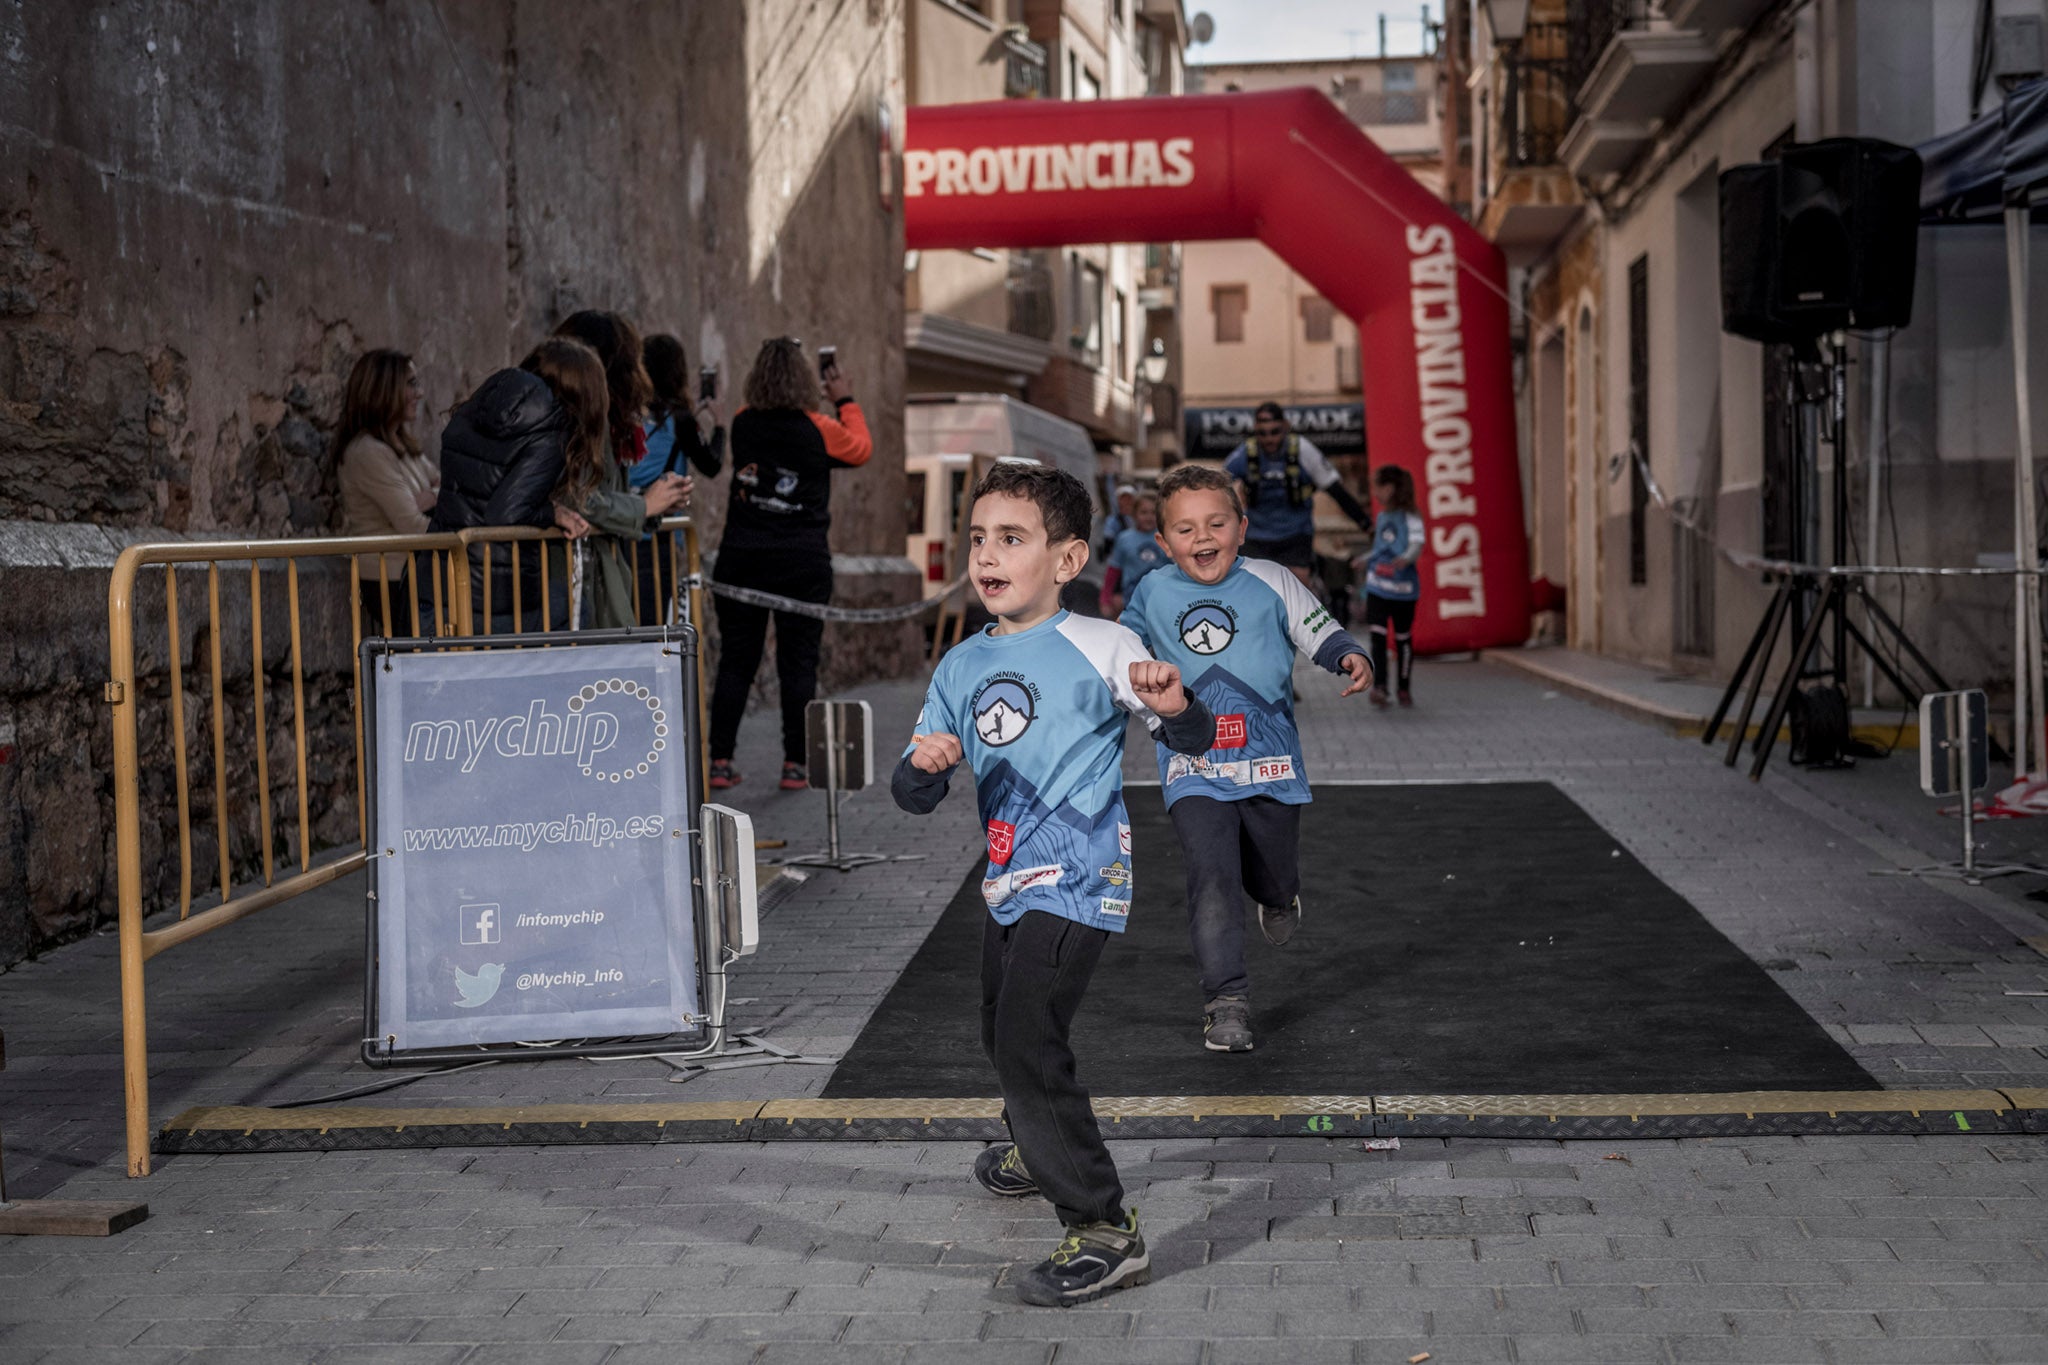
point(380, 491)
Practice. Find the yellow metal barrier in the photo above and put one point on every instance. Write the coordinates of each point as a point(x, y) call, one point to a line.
point(435, 594)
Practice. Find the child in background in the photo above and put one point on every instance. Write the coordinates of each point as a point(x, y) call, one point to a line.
point(1036, 704)
point(1392, 584)
point(1135, 554)
point(1233, 626)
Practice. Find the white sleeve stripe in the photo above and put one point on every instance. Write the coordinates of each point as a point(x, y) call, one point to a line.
point(1110, 650)
point(1297, 604)
point(1316, 465)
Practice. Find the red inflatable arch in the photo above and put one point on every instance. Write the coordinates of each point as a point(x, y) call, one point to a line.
point(1427, 292)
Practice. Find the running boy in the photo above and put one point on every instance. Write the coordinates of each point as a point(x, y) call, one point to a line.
point(1233, 626)
point(1036, 705)
point(1135, 554)
point(1392, 585)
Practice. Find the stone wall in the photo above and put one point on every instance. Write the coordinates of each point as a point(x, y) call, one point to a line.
point(206, 212)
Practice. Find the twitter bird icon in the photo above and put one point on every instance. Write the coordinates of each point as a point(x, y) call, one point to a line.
point(476, 990)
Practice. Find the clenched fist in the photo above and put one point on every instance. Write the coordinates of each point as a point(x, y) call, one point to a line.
point(1158, 686)
point(934, 753)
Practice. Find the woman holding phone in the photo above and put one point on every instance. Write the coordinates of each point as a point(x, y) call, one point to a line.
point(778, 513)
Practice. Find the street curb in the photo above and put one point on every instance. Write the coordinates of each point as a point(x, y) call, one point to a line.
point(1760, 1113)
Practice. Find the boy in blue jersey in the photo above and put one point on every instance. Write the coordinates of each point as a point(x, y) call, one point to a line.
point(1036, 705)
point(1233, 625)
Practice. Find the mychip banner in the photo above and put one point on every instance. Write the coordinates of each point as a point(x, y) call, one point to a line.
point(533, 863)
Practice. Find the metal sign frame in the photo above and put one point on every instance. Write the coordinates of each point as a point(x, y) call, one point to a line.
point(708, 863)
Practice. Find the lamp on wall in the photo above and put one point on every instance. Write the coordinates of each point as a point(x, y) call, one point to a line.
point(1152, 365)
point(1509, 19)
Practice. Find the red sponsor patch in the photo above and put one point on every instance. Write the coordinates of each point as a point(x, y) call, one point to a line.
point(1230, 732)
point(1002, 841)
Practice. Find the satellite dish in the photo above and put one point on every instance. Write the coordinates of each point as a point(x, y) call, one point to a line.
point(1202, 28)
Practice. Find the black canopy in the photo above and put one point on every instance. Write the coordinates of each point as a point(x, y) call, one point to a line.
point(1973, 173)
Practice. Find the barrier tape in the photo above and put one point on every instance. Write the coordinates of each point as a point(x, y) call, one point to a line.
point(825, 612)
point(1744, 559)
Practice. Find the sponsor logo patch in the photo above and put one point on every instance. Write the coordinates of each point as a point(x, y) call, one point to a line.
point(1025, 878)
point(1120, 908)
point(1116, 874)
point(1272, 769)
point(1123, 840)
point(1230, 732)
point(1002, 841)
point(996, 890)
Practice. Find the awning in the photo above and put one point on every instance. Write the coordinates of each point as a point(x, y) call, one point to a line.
point(1971, 174)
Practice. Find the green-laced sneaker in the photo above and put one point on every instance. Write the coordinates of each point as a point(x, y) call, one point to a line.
point(1090, 1261)
point(1000, 1170)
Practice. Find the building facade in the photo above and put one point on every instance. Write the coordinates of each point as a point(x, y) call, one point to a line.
point(1658, 449)
point(1062, 328)
point(1252, 328)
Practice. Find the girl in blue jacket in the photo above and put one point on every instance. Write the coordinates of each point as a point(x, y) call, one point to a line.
point(1392, 582)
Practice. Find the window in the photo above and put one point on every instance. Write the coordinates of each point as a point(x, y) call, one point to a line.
point(913, 504)
point(1398, 78)
point(1229, 303)
point(1318, 319)
point(1085, 310)
point(1091, 88)
point(1119, 356)
point(1638, 419)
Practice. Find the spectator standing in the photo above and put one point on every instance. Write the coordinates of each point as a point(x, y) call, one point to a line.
point(675, 443)
point(779, 512)
point(1278, 476)
point(521, 451)
point(1118, 521)
point(387, 485)
point(617, 515)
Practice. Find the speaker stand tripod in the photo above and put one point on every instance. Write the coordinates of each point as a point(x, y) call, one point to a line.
point(1795, 599)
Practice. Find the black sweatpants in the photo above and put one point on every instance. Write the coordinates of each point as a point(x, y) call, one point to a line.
point(1381, 615)
point(1234, 849)
point(1033, 975)
point(743, 634)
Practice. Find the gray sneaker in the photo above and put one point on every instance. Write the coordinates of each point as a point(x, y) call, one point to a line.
point(1227, 1024)
point(1090, 1261)
point(1278, 922)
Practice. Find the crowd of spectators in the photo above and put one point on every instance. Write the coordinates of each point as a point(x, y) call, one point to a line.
point(596, 434)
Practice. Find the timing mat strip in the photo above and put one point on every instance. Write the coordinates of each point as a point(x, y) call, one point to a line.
point(1756, 1113)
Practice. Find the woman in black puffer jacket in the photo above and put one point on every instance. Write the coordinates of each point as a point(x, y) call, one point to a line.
point(527, 442)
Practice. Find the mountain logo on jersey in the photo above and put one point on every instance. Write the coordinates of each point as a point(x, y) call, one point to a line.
point(1004, 709)
point(1207, 627)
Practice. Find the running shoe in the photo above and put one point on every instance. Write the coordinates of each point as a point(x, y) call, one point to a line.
point(1377, 696)
point(795, 777)
point(723, 774)
point(1000, 1170)
point(1278, 922)
point(1405, 698)
point(1227, 1024)
point(1090, 1261)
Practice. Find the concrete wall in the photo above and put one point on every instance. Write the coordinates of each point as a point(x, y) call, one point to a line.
point(207, 211)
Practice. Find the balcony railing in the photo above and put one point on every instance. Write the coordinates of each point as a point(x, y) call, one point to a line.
point(1591, 26)
point(1024, 67)
point(1537, 106)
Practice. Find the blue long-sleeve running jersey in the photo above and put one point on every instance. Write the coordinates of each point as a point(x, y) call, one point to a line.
point(1040, 716)
point(1397, 540)
point(1234, 642)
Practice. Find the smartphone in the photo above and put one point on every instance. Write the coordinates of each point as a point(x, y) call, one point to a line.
point(707, 383)
point(828, 356)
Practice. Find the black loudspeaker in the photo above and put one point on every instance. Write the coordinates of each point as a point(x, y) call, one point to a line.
point(1824, 237)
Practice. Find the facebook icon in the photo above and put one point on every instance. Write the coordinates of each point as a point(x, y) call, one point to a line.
point(480, 923)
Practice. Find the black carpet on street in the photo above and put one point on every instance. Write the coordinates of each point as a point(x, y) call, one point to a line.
point(1457, 939)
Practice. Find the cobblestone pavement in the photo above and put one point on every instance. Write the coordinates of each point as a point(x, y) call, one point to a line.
point(1837, 1249)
